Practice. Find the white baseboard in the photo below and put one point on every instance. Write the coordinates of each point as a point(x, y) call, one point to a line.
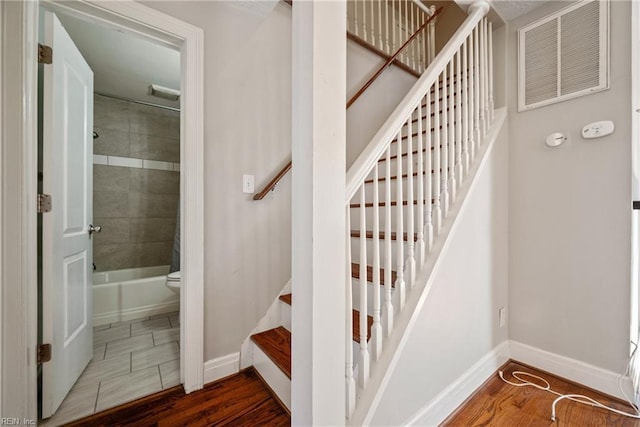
point(439, 408)
point(582, 373)
point(221, 367)
point(125, 315)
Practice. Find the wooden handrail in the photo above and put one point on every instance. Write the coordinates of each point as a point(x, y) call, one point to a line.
point(391, 59)
point(271, 185)
point(273, 182)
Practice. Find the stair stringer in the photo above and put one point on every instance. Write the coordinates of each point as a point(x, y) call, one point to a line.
point(270, 320)
point(382, 370)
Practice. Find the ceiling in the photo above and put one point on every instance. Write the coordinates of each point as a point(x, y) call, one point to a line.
point(509, 10)
point(123, 64)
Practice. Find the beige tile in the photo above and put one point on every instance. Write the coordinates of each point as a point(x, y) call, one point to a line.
point(113, 256)
point(175, 320)
point(170, 373)
point(126, 388)
point(111, 142)
point(168, 335)
point(157, 123)
point(143, 205)
point(129, 345)
point(145, 230)
point(114, 230)
point(110, 113)
point(157, 355)
point(101, 327)
point(98, 351)
point(79, 403)
point(155, 181)
point(173, 313)
point(105, 335)
point(110, 178)
point(150, 147)
point(100, 370)
point(150, 325)
point(108, 204)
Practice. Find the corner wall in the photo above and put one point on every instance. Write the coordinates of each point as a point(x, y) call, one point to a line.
point(570, 213)
point(458, 324)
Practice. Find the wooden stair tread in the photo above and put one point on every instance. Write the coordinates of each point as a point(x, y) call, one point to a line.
point(381, 235)
point(355, 319)
point(276, 344)
point(355, 273)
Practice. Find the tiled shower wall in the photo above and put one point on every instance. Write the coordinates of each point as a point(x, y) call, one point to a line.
point(135, 206)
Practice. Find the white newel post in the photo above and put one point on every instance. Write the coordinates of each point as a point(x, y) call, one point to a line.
point(318, 212)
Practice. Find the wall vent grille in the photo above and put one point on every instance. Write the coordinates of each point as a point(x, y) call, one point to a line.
point(564, 55)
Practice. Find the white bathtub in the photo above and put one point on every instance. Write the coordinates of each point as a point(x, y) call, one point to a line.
point(133, 293)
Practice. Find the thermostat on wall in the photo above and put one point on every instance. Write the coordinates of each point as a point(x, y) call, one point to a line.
point(598, 129)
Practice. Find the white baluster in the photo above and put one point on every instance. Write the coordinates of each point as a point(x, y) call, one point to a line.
point(444, 154)
point(432, 38)
point(400, 285)
point(465, 108)
point(388, 312)
point(491, 105)
point(476, 89)
point(380, 27)
point(386, 24)
point(485, 68)
point(376, 328)
point(482, 75)
point(420, 205)
point(421, 43)
point(411, 258)
point(363, 362)
point(350, 383)
point(372, 24)
point(413, 30)
point(428, 178)
point(452, 143)
point(355, 17)
point(405, 52)
point(459, 165)
point(394, 29)
point(472, 84)
point(437, 210)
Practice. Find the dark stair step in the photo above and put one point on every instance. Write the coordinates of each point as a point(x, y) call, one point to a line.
point(355, 273)
point(381, 204)
point(355, 318)
point(276, 344)
point(381, 235)
point(415, 174)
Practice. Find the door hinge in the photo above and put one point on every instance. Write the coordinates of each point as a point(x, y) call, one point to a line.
point(44, 203)
point(45, 54)
point(44, 353)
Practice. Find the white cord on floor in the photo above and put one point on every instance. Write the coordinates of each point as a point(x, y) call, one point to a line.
point(574, 397)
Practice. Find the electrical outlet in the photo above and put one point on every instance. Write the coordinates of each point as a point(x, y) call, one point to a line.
point(502, 316)
point(248, 184)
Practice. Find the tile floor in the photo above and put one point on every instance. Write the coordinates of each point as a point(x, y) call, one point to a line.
point(130, 360)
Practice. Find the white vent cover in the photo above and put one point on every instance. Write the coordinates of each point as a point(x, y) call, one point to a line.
point(564, 55)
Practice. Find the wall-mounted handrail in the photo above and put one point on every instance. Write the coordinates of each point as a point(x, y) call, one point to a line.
point(391, 59)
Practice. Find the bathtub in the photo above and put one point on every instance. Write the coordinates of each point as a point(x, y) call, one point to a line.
point(132, 293)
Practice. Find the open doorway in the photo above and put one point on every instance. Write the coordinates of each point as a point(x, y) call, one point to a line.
point(113, 304)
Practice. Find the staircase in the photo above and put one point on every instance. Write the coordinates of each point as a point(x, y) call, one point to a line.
point(401, 194)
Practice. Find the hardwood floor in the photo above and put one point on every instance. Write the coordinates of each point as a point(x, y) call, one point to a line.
point(239, 400)
point(497, 403)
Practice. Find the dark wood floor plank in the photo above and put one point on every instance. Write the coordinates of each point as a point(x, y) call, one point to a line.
point(241, 399)
point(497, 403)
point(276, 344)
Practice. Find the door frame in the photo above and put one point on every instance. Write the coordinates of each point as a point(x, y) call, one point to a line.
point(21, 129)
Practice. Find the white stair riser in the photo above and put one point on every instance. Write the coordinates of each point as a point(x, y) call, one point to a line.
point(355, 251)
point(277, 380)
point(355, 217)
point(355, 288)
point(285, 315)
point(369, 189)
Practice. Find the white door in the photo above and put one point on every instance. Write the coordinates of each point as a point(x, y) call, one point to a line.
point(67, 97)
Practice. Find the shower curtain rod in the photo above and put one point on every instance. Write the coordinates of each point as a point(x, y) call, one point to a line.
point(150, 104)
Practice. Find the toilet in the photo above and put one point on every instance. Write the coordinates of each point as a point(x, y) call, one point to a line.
point(173, 281)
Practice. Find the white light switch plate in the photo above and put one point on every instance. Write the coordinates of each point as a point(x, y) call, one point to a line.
point(248, 184)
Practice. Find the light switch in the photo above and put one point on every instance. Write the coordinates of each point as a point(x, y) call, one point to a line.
point(247, 184)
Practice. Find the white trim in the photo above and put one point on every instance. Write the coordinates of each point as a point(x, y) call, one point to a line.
point(634, 324)
point(575, 370)
point(221, 367)
point(440, 407)
point(157, 26)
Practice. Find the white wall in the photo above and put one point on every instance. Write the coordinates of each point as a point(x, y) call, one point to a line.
point(370, 111)
point(570, 214)
point(247, 112)
point(458, 323)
